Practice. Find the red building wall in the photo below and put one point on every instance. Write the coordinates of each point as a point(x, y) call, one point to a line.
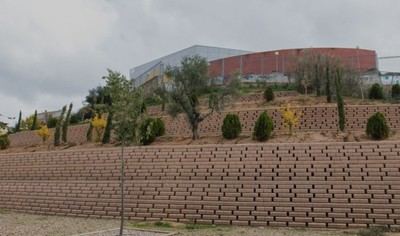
point(263, 63)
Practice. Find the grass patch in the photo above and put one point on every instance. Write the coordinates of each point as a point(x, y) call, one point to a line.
point(3, 211)
point(198, 226)
point(373, 231)
point(145, 224)
point(162, 224)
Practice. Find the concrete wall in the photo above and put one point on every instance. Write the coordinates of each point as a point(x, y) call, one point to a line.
point(307, 185)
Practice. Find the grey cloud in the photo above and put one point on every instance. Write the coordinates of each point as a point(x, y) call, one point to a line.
point(52, 52)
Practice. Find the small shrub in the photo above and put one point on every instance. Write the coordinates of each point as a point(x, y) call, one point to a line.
point(43, 133)
point(98, 124)
point(269, 94)
point(147, 131)
point(376, 92)
point(396, 91)
point(377, 127)
point(4, 142)
point(263, 127)
point(159, 127)
point(290, 118)
point(231, 126)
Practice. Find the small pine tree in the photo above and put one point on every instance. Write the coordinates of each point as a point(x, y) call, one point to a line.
point(377, 127)
point(263, 127)
point(18, 125)
point(57, 132)
point(231, 126)
point(376, 92)
point(396, 91)
point(269, 94)
point(34, 122)
point(66, 124)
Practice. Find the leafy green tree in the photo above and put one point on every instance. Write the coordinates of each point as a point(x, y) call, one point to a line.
point(18, 125)
point(34, 122)
point(66, 124)
point(159, 127)
point(127, 108)
point(190, 81)
point(57, 132)
point(147, 131)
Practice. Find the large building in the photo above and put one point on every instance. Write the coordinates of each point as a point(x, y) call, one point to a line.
point(282, 62)
point(274, 66)
point(151, 73)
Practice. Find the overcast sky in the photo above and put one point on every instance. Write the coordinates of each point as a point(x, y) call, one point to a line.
point(53, 51)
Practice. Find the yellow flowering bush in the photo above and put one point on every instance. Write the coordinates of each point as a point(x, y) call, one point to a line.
point(43, 132)
point(290, 117)
point(99, 124)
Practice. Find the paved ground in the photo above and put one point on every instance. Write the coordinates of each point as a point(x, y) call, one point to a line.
point(17, 224)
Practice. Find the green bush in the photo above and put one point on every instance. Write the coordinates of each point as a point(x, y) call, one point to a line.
point(159, 127)
point(376, 92)
point(269, 94)
point(377, 127)
point(147, 132)
point(396, 91)
point(51, 122)
point(263, 127)
point(75, 119)
point(231, 126)
point(4, 142)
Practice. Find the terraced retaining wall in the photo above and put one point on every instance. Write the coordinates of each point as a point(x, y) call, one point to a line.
point(313, 118)
point(309, 185)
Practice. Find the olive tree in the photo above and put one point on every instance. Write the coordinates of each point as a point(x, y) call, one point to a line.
point(189, 82)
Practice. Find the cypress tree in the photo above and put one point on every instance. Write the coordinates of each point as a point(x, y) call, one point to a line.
point(18, 125)
point(34, 127)
point(107, 131)
point(328, 84)
point(339, 100)
point(57, 132)
point(66, 124)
